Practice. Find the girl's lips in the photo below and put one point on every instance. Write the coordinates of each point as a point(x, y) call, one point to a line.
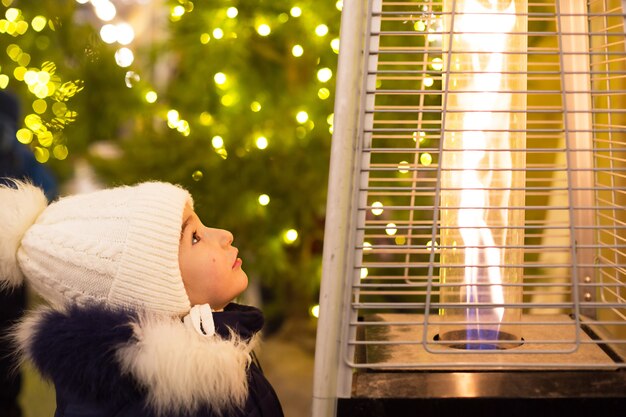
point(237, 263)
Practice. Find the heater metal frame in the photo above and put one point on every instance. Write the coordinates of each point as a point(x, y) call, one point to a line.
point(349, 326)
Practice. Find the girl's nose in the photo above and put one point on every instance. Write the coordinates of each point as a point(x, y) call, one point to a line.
point(227, 238)
point(223, 237)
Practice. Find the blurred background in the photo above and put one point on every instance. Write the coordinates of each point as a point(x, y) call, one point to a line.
point(232, 99)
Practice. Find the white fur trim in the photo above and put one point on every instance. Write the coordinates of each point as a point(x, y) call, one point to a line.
point(19, 209)
point(22, 332)
point(182, 370)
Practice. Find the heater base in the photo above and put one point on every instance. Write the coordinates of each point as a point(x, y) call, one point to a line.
point(511, 393)
point(550, 342)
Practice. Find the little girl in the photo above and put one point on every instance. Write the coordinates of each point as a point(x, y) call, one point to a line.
point(140, 321)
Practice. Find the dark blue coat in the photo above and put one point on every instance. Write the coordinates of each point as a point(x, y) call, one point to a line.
point(107, 363)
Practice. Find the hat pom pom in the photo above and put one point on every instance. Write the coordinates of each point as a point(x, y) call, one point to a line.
point(20, 205)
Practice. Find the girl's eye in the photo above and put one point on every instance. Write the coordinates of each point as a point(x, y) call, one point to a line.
point(194, 238)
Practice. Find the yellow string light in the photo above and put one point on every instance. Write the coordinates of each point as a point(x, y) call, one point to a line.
point(323, 93)
point(43, 77)
point(59, 109)
point(321, 30)
point(217, 142)
point(41, 91)
point(220, 78)
point(421, 136)
point(205, 118)
point(173, 116)
point(24, 59)
point(264, 29)
point(264, 199)
point(12, 14)
point(21, 27)
point(40, 106)
point(232, 12)
point(391, 229)
point(290, 236)
point(60, 152)
point(437, 64)
point(426, 159)
point(377, 208)
point(105, 10)
point(222, 153)
point(302, 117)
point(175, 122)
point(218, 33)
point(24, 135)
point(41, 154)
point(30, 77)
point(151, 96)
point(33, 122)
point(39, 23)
point(45, 138)
point(124, 57)
point(184, 128)
point(297, 51)
point(177, 12)
point(324, 74)
point(261, 142)
point(430, 245)
point(403, 167)
point(14, 51)
point(228, 100)
point(295, 11)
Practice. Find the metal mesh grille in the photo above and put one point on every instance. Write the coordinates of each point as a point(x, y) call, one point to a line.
point(572, 298)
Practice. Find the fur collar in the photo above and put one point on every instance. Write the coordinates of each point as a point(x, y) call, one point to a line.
point(100, 354)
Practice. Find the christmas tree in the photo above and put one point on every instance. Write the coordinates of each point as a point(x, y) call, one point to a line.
point(231, 99)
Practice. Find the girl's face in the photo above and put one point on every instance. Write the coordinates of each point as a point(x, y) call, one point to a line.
point(209, 264)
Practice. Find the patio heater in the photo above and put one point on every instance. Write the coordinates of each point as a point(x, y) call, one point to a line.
point(475, 246)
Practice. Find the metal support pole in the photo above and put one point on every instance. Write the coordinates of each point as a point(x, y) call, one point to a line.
point(332, 376)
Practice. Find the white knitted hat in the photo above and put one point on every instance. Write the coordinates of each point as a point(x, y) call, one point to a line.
point(117, 246)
